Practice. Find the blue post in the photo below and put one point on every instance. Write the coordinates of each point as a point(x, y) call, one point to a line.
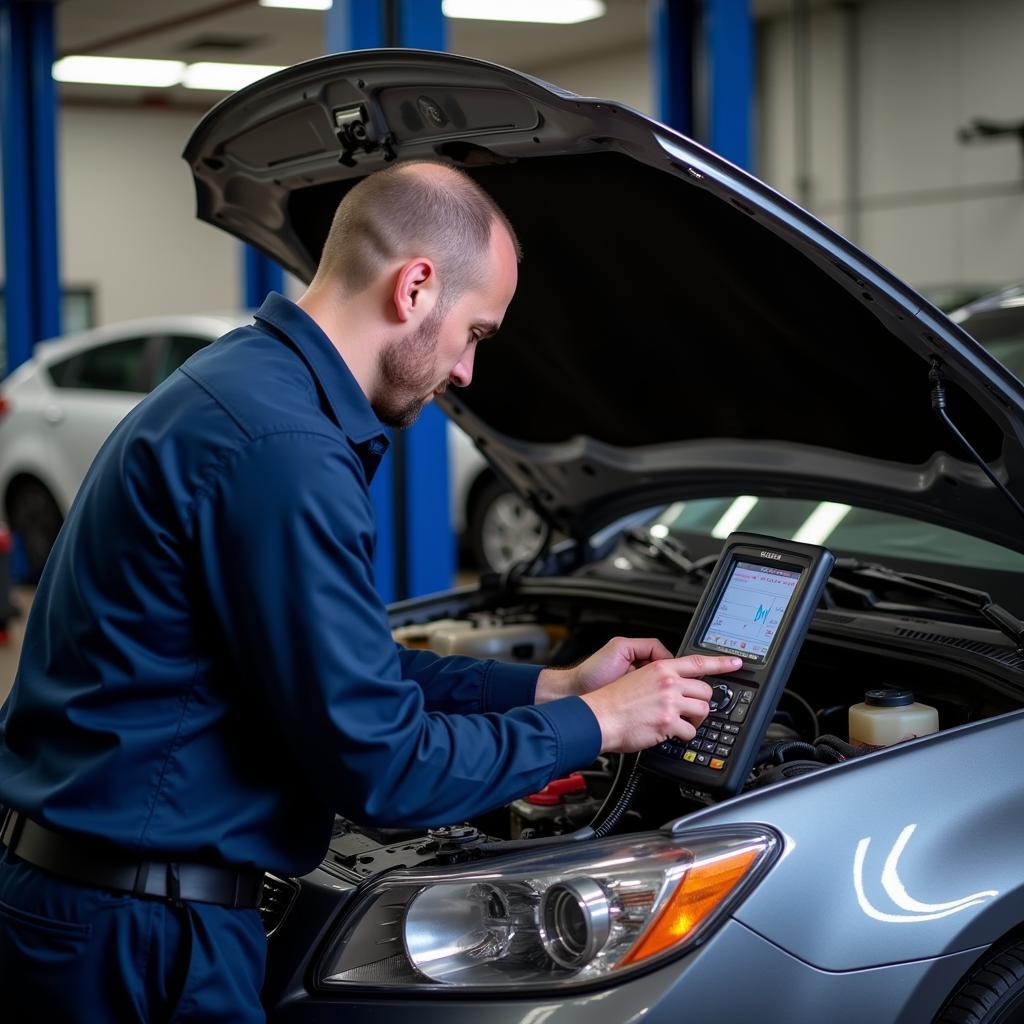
point(28, 118)
point(729, 42)
point(430, 545)
point(28, 132)
point(260, 276)
point(673, 26)
point(415, 546)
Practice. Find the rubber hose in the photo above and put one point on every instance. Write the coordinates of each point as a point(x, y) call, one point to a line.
point(780, 751)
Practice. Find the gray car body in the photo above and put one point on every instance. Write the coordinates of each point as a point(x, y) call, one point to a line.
point(897, 870)
point(845, 925)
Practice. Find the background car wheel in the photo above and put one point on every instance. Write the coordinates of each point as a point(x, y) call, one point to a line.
point(37, 520)
point(503, 529)
point(993, 993)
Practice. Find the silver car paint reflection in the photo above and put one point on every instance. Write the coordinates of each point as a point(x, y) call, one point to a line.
point(896, 891)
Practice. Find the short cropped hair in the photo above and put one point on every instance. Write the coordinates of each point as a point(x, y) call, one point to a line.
point(406, 211)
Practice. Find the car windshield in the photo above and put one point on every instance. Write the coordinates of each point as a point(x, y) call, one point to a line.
point(865, 533)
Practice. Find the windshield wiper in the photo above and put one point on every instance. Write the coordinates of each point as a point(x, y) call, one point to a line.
point(975, 602)
point(669, 550)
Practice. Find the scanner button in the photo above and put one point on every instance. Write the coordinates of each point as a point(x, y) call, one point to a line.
point(690, 755)
point(701, 758)
point(717, 763)
point(729, 727)
point(721, 696)
point(728, 739)
point(746, 696)
point(707, 746)
point(739, 713)
point(721, 751)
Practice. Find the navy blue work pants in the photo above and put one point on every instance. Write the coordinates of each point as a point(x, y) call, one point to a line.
point(73, 953)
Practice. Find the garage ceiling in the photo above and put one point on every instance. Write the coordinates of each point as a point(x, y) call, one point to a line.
point(240, 31)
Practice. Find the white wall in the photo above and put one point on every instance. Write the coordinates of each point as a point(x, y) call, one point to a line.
point(623, 75)
point(128, 216)
point(934, 210)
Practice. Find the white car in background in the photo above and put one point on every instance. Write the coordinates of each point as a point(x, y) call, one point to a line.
point(58, 408)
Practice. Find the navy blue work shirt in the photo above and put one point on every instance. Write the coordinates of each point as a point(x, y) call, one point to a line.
point(208, 671)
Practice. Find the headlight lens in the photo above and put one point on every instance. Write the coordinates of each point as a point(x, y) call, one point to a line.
point(558, 917)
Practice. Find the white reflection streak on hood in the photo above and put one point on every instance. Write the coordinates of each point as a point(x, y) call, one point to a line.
point(898, 894)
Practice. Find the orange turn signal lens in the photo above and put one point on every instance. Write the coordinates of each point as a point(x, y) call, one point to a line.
point(700, 891)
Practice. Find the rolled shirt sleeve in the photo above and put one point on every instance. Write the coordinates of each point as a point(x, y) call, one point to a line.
point(285, 535)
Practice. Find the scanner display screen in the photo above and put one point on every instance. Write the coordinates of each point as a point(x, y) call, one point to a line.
point(749, 610)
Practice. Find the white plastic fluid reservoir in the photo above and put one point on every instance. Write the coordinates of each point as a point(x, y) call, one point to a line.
point(888, 716)
point(523, 642)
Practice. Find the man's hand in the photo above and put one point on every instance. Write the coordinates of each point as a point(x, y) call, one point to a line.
point(652, 703)
point(619, 656)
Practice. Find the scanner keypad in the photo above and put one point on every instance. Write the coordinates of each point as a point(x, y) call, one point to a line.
point(714, 741)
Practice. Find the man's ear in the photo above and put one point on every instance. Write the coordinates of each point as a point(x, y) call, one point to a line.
point(415, 290)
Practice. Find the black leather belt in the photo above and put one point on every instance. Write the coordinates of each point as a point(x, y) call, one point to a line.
point(80, 860)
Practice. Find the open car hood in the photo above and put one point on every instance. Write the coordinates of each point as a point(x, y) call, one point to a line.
point(679, 330)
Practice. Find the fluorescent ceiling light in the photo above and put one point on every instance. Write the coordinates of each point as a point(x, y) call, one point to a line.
point(299, 5)
point(737, 511)
point(225, 77)
point(547, 12)
point(818, 526)
point(152, 74)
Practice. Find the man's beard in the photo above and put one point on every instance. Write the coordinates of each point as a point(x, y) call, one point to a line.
point(407, 374)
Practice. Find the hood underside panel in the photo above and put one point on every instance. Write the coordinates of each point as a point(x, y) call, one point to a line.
point(648, 312)
point(678, 329)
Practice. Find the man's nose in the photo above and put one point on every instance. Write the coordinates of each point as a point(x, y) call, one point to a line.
point(462, 371)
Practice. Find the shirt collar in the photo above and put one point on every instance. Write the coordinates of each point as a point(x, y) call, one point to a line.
point(349, 406)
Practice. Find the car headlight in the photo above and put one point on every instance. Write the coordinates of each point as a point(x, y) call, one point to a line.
point(561, 916)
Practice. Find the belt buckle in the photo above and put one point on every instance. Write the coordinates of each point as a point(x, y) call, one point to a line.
point(173, 884)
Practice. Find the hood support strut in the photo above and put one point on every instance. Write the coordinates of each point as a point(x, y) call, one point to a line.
point(939, 405)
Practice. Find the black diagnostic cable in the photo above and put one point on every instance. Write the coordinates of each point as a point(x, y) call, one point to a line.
point(619, 797)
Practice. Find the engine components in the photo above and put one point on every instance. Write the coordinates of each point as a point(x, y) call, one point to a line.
point(479, 638)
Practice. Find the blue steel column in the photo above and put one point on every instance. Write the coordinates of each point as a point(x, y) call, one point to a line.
point(729, 43)
point(673, 25)
point(260, 276)
point(415, 545)
point(426, 516)
point(28, 114)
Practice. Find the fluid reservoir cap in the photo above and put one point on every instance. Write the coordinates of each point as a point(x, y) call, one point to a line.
point(553, 792)
point(889, 698)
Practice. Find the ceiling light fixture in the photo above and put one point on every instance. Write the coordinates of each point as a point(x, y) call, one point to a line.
point(149, 74)
point(545, 12)
point(225, 77)
point(299, 5)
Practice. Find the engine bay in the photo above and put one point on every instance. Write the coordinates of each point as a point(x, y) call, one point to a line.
point(808, 732)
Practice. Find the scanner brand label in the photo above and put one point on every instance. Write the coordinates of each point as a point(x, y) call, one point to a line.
point(771, 554)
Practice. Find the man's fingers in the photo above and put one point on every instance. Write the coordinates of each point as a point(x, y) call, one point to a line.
point(705, 665)
point(685, 730)
point(696, 688)
point(645, 649)
point(693, 710)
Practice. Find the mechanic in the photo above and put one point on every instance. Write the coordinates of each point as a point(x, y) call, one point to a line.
point(208, 673)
